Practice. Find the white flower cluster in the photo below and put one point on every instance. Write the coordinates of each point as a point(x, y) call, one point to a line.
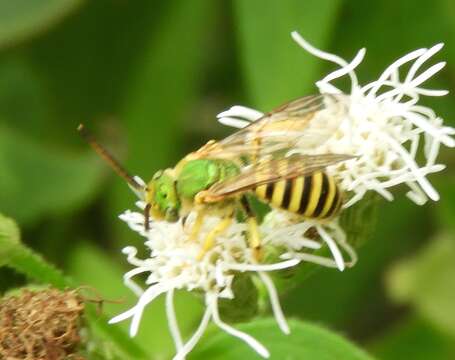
point(173, 264)
point(384, 127)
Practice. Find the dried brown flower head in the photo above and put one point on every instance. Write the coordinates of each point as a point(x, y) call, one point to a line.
point(40, 325)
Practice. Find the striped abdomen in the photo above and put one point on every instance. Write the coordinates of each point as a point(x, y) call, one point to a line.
point(312, 196)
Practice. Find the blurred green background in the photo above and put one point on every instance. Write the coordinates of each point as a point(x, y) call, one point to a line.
point(148, 77)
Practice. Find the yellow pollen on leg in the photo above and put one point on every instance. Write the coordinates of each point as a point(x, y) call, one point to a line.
point(210, 239)
point(196, 228)
point(254, 238)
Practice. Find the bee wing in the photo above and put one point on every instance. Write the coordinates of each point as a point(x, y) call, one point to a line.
point(271, 171)
point(304, 123)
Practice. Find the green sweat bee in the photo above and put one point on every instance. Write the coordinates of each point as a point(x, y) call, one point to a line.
point(255, 160)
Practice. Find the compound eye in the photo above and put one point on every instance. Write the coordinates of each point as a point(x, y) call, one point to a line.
point(163, 190)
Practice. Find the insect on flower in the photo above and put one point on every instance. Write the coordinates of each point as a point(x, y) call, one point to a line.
point(216, 178)
point(299, 159)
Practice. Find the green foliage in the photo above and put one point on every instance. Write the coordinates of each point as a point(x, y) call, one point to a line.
point(415, 339)
point(445, 211)
point(426, 280)
point(359, 221)
point(21, 19)
point(244, 305)
point(306, 341)
point(276, 69)
point(39, 181)
point(15, 255)
point(9, 238)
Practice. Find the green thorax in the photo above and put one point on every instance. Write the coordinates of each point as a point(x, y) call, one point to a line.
point(200, 174)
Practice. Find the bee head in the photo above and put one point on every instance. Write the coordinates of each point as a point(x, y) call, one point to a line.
point(162, 197)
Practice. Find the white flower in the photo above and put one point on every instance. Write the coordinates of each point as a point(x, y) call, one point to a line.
point(173, 264)
point(384, 126)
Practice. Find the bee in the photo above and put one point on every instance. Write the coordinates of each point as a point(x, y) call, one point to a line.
point(254, 160)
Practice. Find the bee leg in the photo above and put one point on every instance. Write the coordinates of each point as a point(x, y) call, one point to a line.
point(216, 231)
point(196, 228)
point(254, 237)
point(147, 217)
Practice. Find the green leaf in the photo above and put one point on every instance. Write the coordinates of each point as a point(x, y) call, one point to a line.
point(20, 19)
point(445, 208)
point(22, 259)
point(38, 181)
point(166, 80)
point(19, 85)
point(9, 238)
point(276, 69)
point(415, 339)
point(359, 221)
point(244, 305)
point(426, 281)
point(306, 341)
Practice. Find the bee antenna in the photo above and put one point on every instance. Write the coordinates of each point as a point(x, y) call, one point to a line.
point(105, 155)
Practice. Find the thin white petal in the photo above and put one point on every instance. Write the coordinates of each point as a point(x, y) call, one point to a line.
point(316, 52)
point(347, 69)
point(427, 74)
point(421, 60)
point(123, 316)
point(252, 342)
point(265, 267)
point(333, 248)
point(392, 68)
point(244, 112)
point(416, 194)
point(420, 178)
point(140, 193)
point(326, 88)
point(190, 344)
point(233, 122)
point(172, 320)
point(323, 55)
point(431, 92)
point(138, 291)
point(315, 259)
point(275, 302)
point(149, 295)
point(341, 239)
point(421, 122)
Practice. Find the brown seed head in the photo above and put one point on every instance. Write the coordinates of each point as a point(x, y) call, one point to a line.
point(40, 325)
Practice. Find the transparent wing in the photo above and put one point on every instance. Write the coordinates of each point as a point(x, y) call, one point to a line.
point(304, 123)
point(271, 171)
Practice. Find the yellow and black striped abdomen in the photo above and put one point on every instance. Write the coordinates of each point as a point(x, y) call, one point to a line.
point(312, 196)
